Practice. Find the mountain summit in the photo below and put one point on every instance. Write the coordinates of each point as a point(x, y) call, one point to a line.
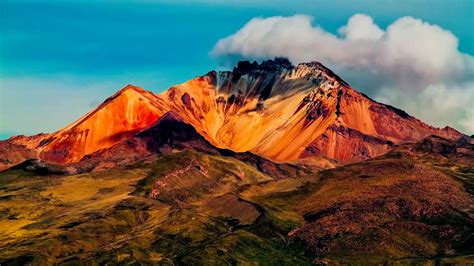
point(273, 109)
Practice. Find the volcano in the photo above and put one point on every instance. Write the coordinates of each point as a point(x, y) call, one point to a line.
point(275, 110)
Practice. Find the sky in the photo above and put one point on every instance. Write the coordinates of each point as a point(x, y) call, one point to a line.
point(60, 59)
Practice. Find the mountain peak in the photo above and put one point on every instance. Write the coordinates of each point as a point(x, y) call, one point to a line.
point(129, 91)
point(319, 67)
point(130, 87)
point(279, 63)
point(169, 116)
point(120, 116)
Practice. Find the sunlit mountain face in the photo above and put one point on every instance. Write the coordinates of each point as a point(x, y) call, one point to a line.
point(274, 109)
point(269, 163)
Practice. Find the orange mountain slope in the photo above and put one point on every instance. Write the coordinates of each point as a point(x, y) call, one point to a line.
point(122, 115)
point(273, 109)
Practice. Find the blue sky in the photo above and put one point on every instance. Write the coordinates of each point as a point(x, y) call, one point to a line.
point(59, 59)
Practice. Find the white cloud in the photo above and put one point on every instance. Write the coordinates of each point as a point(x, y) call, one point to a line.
point(411, 64)
point(361, 27)
point(440, 104)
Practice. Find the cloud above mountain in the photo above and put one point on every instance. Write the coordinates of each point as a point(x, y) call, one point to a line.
point(411, 64)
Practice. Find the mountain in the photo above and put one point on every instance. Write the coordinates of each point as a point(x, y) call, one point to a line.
point(285, 113)
point(269, 164)
point(275, 110)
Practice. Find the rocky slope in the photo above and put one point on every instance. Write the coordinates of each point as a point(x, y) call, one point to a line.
point(414, 201)
point(12, 154)
point(274, 109)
